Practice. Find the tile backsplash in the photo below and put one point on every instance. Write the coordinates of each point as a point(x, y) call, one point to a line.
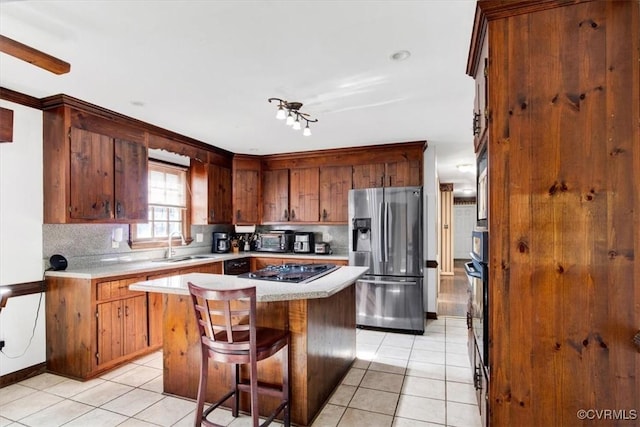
point(85, 245)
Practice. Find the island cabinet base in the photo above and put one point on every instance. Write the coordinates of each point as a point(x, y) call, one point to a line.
point(323, 348)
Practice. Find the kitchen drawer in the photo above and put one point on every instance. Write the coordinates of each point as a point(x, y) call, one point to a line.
point(117, 289)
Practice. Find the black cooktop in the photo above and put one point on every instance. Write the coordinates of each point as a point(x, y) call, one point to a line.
point(291, 273)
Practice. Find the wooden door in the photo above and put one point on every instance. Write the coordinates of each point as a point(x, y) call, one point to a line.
point(91, 170)
point(335, 183)
point(368, 176)
point(403, 174)
point(130, 181)
point(135, 328)
point(304, 195)
point(219, 195)
point(246, 196)
point(275, 195)
point(110, 315)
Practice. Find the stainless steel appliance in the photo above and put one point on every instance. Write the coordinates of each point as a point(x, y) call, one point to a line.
point(322, 248)
point(291, 273)
point(478, 275)
point(385, 234)
point(275, 241)
point(303, 242)
point(221, 243)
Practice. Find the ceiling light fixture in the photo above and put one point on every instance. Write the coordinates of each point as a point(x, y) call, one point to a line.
point(291, 112)
point(466, 167)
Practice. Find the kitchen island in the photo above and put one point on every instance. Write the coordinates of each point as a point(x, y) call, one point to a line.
point(320, 316)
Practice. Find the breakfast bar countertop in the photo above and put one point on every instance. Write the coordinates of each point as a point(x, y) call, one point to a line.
point(266, 291)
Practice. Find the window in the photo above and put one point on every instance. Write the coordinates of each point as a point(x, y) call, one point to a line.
point(168, 212)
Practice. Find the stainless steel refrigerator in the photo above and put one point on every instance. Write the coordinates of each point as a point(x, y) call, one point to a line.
point(385, 234)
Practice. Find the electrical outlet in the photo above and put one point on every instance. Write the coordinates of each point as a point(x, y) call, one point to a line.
point(199, 237)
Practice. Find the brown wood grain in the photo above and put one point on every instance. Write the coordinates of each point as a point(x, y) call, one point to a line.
point(6, 125)
point(33, 56)
point(246, 190)
point(130, 181)
point(304, 188)
point(564, 196)
point(275, 195)
point(219, 194)
point(335, 183)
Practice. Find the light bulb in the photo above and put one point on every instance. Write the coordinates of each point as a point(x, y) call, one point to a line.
point(307, 131)
point(296, 124)
point(281, 115)
point(290, 119)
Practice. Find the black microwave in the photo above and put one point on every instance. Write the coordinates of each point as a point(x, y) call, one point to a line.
point(275, 241)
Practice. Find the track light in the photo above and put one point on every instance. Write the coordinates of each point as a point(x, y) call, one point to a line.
point(291, 111)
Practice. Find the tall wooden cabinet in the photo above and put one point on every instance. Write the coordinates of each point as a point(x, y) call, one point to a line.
point(246, 189)
point(563, 153)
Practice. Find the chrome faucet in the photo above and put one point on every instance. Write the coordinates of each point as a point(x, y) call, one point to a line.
point(170, 251)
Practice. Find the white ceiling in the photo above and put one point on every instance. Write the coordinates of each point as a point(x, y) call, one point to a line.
point(205, 69)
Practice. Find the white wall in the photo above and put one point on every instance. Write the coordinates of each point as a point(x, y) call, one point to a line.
point(21, 206)
point(431, 195)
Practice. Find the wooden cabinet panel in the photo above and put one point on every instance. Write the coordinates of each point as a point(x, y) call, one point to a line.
point(335, 183)
point(92, 191)
point(135, 336)
point(368, 176)
point(393, 174)
point(275, 195)
point(110, 327)
point(245, 201)
point(131, 174)
point(403, 174)
point(303, 194)
point(108, 178)
point(219, 195)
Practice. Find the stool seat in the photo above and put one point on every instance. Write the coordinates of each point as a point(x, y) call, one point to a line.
point(227, 324)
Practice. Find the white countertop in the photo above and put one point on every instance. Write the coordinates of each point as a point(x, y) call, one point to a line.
point(322, 287)
point(113, 268)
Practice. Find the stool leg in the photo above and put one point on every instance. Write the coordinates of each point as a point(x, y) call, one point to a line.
point(253, 381)
point(235, 377)
point(202, 387)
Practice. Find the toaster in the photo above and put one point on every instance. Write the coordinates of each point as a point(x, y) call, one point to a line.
point(322, 248)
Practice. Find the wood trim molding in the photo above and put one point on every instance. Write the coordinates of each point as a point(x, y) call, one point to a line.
point(23, 374)
point(33, 56)
point(6, 125)
point(60, 100)
point(27, 288)
point(20, 98)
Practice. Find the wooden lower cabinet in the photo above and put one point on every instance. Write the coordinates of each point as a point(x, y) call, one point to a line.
point(93, 325)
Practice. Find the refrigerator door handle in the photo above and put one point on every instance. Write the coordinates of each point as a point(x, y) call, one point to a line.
point(381, 252)
point(387, 282)
point(385, 249)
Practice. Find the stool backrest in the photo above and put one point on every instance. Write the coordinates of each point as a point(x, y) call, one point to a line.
point(226, 318)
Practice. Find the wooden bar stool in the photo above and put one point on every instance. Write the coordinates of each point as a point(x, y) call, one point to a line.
point(226, 337)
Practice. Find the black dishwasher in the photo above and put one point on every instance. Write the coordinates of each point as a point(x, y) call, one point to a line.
point(237, 266)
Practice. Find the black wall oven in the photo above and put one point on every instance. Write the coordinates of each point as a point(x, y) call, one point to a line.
point(478, 275)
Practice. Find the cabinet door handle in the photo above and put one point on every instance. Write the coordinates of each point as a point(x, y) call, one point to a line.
point(286, 214)
point(118, 209)
point(324, 214)
point(119, 312)
point(382, 181)
point(126, 310)
point(238, 215)
point(107, 207)
point(636, 340)
point(293, 214)
point(212, 214)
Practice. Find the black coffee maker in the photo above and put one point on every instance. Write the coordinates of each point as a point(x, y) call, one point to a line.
point(221, 243)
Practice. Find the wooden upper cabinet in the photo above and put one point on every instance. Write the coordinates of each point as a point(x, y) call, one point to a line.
point(108, 178)
point(393, 174)
point(335, 183)
point(480, 106)
point(275, 195)
point(219, 195)
point(303, 195)
point(368, 176)
point(246, 190)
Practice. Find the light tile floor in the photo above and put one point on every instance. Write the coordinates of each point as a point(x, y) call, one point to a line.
point(397, 380)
